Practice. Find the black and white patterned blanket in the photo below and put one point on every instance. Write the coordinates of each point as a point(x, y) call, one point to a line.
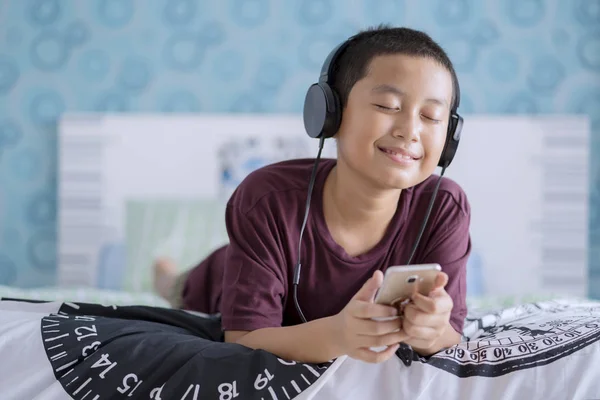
point(54, 350)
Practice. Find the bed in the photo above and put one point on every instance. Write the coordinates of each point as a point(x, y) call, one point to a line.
point(86, 344)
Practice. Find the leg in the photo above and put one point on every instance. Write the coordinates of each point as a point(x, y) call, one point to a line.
point(168, 283)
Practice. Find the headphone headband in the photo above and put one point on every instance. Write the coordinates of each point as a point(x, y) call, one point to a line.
point(327, 67)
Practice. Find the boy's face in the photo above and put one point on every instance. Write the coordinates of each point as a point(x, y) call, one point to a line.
point(394, 125)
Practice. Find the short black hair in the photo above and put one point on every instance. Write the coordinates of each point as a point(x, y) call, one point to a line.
point(352, 64)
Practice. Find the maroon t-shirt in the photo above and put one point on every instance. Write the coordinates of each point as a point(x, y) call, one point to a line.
point(249, 281)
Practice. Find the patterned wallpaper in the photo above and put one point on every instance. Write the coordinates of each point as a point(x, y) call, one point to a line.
point(512, 56)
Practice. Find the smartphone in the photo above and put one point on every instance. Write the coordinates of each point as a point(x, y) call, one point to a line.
point(401, 281)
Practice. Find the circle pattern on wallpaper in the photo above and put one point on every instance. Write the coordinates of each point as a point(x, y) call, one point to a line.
point(383, 11)
point(247, 103)
point(182, 101)
point(228, 65)
point(9, 74)
point(466, 104)
point(249, 13)
point(503, 65)
point(10, 133)
point(525, 13)
point(486, 33)
point(521, 103)
point(8, 270)
point(41, 249)
point(587, 12)
point(586, 101)
point(94, 65)
point(314, 48)
point(114, 13)
point(45, 107)
point(315, 12)
point(560, 37)
point(25, 165)
point(77, 33)
point(546, 74)
point(184, 51)
point(11, 238)
point(44, 12)
point(180, 12)
point(112, 101)
point(588, 51)
point(452, 12)
point(49, 51)
point(271, 75)
point(212, 33)
point(41, 208)
point(462, 52)
point(14, 36)
point(135, 74)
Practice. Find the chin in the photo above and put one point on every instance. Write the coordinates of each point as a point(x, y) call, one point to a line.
point(399, 182)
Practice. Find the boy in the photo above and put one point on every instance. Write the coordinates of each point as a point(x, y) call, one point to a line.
point(397, 88)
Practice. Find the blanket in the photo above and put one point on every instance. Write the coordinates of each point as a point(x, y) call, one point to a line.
point(64, 350)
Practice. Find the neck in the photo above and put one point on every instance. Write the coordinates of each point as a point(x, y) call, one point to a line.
point(353, 202)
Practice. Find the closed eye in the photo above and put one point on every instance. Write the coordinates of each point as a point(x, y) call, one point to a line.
point(385, 108)
point(437, 121)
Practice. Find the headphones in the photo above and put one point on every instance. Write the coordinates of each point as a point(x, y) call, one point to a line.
point(322, 119)
point(323, 109)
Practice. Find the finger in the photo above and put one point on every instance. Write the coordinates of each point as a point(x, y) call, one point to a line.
point(419, 332)
point(424, 303)
point(441, 279)
point(369, 289)
point(438, 304)
point(382, 340)
point(370, 356)
point(415, 288)
point(370, 310)
point(376, 328)
point(416, 316)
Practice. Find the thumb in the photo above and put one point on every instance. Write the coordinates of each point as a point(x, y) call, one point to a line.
point(441, 280)
point(369, 289)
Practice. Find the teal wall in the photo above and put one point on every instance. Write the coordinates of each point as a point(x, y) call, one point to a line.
point(513, 56)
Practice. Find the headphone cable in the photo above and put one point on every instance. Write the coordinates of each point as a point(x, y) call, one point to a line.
point(308, 199)
point(297, 269)
point(424, 224)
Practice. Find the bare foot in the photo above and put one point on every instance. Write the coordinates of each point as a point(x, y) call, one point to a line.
point(165, 274)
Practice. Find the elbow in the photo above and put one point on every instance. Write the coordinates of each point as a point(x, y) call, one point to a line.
point(235, 336)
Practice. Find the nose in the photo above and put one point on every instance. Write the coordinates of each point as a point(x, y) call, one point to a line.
point(408, 126)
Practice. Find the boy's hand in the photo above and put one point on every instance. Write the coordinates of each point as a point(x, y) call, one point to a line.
point(427, 318)
point(356, 332)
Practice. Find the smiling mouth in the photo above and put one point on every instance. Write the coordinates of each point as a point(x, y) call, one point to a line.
point(397, 155)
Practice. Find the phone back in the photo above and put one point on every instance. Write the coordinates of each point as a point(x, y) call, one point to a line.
point(401, 282)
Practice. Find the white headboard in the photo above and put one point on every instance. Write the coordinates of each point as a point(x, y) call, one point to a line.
point(134, 186)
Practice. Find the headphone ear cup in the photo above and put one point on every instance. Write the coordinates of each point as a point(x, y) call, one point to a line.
point(452, 140)
point(334, 112)
point(322, 112)
point(315, 111)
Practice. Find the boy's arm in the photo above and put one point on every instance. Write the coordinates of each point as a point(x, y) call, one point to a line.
point(353, 331)
point(312, 342)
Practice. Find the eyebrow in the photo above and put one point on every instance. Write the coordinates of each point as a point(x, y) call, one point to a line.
point(385, 88)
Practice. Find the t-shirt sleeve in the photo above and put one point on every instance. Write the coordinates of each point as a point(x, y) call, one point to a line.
point(450, 246)
point(253, 278)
